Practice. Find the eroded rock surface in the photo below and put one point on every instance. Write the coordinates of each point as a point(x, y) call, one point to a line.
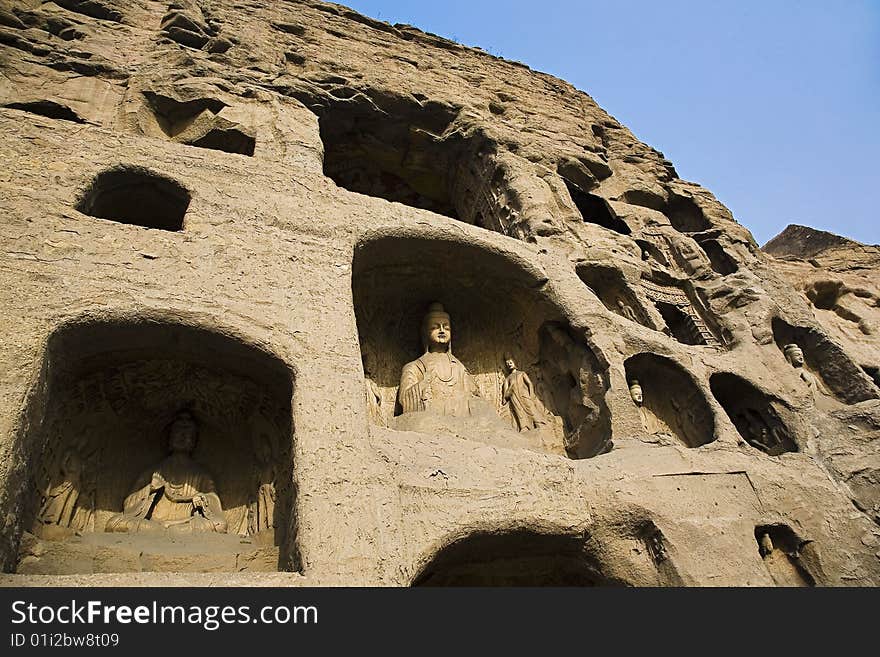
point(243, 212)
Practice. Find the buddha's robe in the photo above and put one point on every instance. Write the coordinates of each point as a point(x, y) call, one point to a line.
point(518, 391)
point(428, 384)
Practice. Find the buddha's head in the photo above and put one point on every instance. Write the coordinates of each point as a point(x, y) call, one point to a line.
point(437, 329)
point(794, 355)
point(183, 433)
point(635, 391)
point(509, 363)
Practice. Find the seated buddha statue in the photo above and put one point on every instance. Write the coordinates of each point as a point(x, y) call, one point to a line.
point(177, 495)
point(436, 381)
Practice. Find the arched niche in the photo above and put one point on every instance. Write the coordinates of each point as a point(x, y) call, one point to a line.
point(498, 305)
point(513, 558)
point(608, 284)
point(762, 420)
point(788, 558)
point(687, 317)
point(134, 195)
point(109, 391)
point(838, 374)
point(672, 403)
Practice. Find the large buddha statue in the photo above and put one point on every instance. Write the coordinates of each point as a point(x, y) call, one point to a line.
point(176, 495)
point(436, 381)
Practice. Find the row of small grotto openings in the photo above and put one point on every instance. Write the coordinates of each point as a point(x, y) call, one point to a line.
point(156, 446)
point(501, 314)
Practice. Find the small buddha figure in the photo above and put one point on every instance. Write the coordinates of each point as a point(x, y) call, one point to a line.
point(436, 381)
point(59, 503)
point(626, 311)
point(518, 390)
point(177, 495)
point(766, 545)
point(650, 421)
point(795, 356)
point(261, 513)
point(374, 397)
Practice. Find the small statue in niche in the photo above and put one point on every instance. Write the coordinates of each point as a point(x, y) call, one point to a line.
point(176, 495)
point(692, 261)
point(650, 421)
point(765, 545)
point(627, 311)
point(656, 547)
point(374, 397)
point(436, 381)
point(795, 356)
point(261, 513)
point(58, 505)
point(519, 391)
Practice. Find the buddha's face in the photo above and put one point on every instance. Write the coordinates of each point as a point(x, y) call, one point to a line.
point(439, 331)
point(182, 437)
point(636, 394)
point(796, 357)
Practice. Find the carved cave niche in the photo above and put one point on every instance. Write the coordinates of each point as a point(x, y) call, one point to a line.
point(687, 318)
point(651, 251)
point(762, 421)
point(513, 558)
point(720, 260)
point(111, 390)
point(840, 375)
point(788, 558)
point(596, 210)
point(608, 284)
point(136, 196)
point(197, 122)
point(405, 151)
point(672, 401)
point(685, 215)
point(497, 306)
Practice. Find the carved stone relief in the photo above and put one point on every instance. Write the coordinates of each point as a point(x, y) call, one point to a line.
point(407, 317)
point(159, 447)
point(683, 321)
point(756, 415)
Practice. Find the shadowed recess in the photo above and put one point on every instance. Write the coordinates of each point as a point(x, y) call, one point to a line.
point(49, 109)
point(595, 210)
point(672, 402)
point(842, 377)
point(516, 558)
point(136, 196)
point(756, 415)
point(109, 394)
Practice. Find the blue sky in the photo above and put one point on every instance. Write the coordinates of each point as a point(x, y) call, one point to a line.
point(773, 106)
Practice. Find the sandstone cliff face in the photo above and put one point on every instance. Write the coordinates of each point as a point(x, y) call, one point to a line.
point(243, 209)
